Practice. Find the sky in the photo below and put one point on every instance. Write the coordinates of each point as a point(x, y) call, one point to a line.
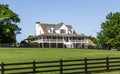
point(85, 16)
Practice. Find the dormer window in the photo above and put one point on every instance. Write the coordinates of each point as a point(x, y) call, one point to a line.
point(63, 31)
point(49, 31)
point(69, 32)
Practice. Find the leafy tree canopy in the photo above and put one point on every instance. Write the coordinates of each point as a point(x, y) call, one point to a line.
point(8, 24)
point(109, 36)
point(29, 38)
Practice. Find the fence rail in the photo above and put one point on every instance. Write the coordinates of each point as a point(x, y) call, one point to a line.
point(62, 66)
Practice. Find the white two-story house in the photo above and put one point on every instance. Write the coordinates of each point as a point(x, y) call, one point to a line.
point(58, 36)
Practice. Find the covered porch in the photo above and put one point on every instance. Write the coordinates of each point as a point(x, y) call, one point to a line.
point(61, 41)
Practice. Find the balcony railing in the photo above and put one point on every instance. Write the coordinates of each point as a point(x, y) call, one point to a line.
point(59, 41)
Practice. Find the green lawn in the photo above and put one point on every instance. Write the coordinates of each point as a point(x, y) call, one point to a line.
point(9, 55)
point(114, 72)
point(45, 54)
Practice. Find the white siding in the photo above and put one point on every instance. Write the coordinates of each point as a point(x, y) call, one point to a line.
point(39, 29)
point(63, 27)
point(57, 31)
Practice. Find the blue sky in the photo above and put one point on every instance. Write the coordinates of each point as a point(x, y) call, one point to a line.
point(84, 15)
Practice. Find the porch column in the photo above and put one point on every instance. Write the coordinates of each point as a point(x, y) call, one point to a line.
point(42, 42)
point(72, 42)
point(39, 42)
point(63, 41)
point(75, 42)
point(56, 42)
point(49, 41)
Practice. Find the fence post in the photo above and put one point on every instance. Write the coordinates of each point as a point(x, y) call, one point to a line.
point(85, 65)
point(2, 68)
point(34, 67)
point(61, 69)
point(107, 63)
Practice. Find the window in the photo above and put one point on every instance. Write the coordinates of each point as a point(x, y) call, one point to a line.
point(62, 31)
point(69, 32)
point(49, 31)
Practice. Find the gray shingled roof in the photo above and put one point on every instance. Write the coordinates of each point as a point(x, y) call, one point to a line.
point(45, 26)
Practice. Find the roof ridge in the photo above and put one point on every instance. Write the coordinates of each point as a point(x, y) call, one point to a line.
point(48, 24)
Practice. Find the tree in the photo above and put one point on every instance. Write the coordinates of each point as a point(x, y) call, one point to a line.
point(8, 24)
point(109, 36)
point(29, 38)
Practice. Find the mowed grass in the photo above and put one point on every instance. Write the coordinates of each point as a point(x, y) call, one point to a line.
point(9, 55)
point(113, 72)
point(14, 55)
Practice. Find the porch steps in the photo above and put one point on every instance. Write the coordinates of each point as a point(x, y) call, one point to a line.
point(69, 45)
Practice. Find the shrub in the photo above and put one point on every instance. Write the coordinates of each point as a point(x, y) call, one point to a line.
point(33, 44)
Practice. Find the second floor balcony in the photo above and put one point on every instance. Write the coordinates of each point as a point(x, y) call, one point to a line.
point(60, 41)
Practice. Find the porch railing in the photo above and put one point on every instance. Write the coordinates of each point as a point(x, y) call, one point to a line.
point(59, 41)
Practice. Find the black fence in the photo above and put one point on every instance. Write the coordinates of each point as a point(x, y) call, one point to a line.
point(7, 45)
point(85, 66)
point(22, 45)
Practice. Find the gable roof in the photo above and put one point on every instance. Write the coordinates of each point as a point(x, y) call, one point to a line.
point(90, 42)
point(69, 27)
point(45, 26)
